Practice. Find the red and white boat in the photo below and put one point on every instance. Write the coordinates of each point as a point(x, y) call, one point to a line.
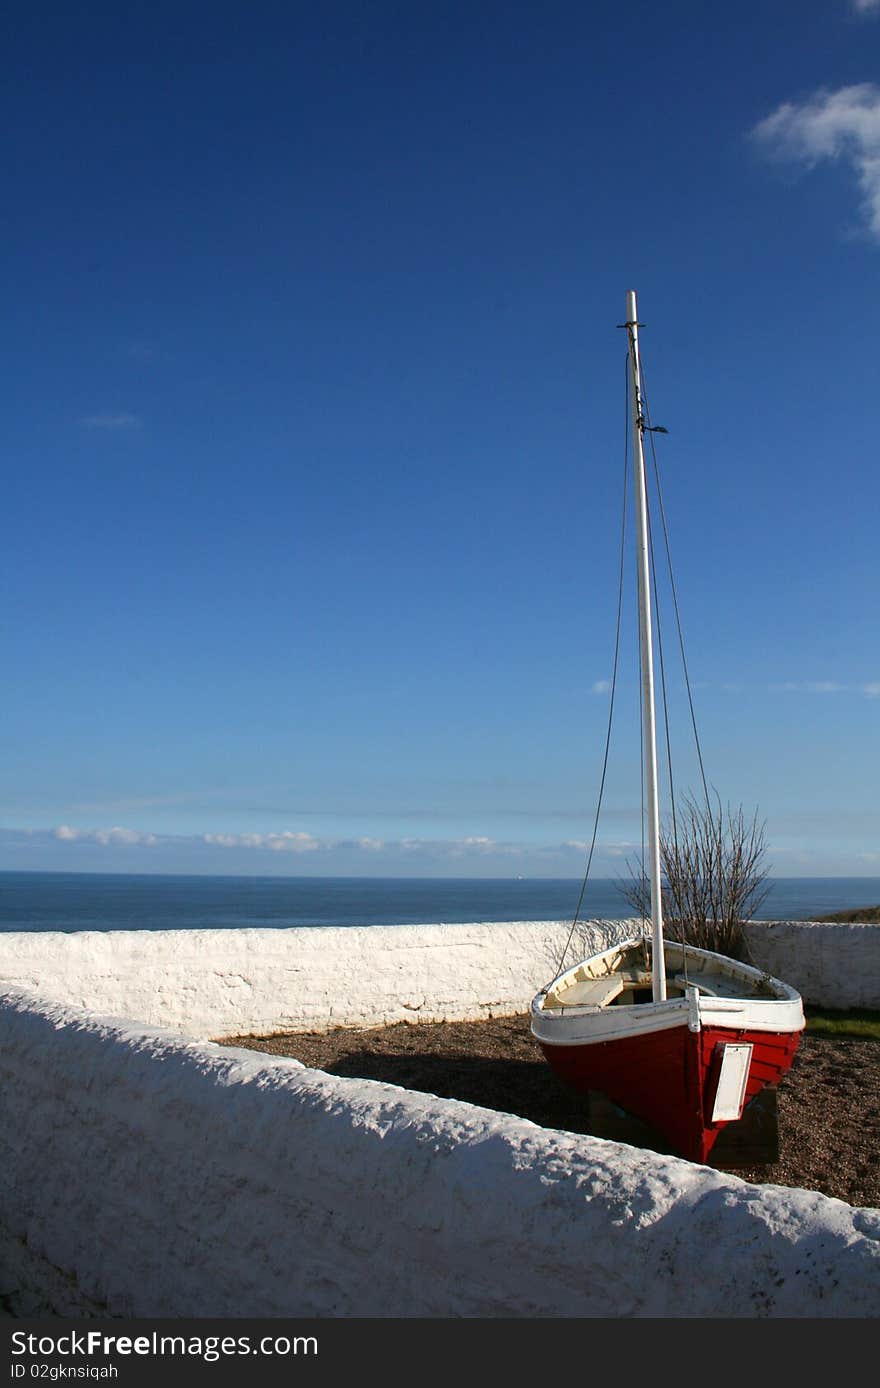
point(677, 1036)
point(686, 1064)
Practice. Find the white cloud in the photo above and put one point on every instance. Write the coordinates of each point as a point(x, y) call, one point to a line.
point(869, 688)
point(601, 686)
point(119, 835)
point(866, 6)
point(453, 848)
point(112, 423)
point(621, 850)
point(472, 846)
point(475, 855)
point(842, 124)
point(809, 687)
point(116, 835)
point(286, 841)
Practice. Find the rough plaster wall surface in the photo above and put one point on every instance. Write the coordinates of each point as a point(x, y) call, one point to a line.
point(169, 1177)
point(31, 1288)
point(225, 982)
point(228, 982)
point(831, 965)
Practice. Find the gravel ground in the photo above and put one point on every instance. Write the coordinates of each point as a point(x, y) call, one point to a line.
point(828, 1106)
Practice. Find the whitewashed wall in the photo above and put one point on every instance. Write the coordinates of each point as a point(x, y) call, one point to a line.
point(231, 982)
point(144, 1174)
point(154, 1176)
point(831, 965)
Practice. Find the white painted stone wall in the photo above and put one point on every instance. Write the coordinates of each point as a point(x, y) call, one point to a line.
point(831, 965)
point(144, 1174)
point(231, 982)
point(153, 1175)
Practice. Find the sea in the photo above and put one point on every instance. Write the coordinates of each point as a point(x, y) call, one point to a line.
point(90, 901)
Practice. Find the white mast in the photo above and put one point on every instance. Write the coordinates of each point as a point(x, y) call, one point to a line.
point(647, 649)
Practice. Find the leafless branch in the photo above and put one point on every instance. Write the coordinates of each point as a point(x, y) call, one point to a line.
point(714, 877)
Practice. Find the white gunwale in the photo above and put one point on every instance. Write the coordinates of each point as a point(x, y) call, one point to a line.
point(755, 1001)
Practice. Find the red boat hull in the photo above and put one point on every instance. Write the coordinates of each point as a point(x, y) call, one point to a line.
point(669, 1078)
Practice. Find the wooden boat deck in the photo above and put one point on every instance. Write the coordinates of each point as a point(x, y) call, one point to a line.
point(719, 985)
point(605, 990)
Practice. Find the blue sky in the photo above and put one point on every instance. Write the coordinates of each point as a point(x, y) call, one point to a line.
point(313, 427)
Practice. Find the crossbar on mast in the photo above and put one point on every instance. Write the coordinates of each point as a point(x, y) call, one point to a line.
point(647, 648)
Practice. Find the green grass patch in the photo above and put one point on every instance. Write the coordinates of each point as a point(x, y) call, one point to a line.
point(857, 1021)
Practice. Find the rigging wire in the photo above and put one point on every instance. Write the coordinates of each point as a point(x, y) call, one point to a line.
point(674, 591)
point(671, 882)
point(644, 875)
point(580, 901)
point(651, 430)
point(662, 677)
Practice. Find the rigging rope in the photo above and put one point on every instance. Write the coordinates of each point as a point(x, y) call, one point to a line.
point(674, 591)
point(644, 883)
point(646, 426)
point(673, 885)
point(613, 684)
point(672, 880)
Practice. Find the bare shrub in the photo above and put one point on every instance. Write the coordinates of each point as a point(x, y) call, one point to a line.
point(714, 878)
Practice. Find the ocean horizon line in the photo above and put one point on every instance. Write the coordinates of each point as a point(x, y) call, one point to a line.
point(78, 901)
point(392, 877)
